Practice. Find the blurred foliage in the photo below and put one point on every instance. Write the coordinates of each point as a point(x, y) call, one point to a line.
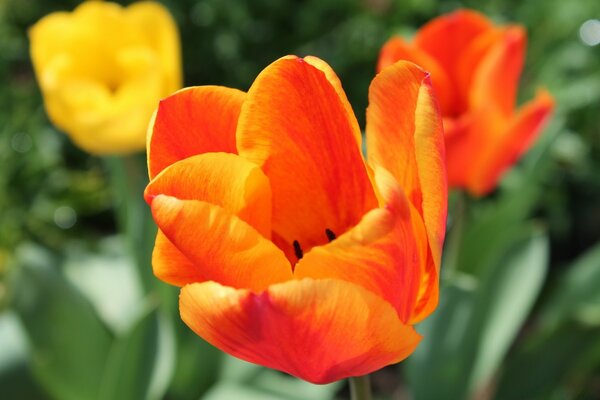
point(81, 316)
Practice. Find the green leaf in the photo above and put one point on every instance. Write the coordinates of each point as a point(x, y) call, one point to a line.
point(228, 390)
point(576, 293)
point(108, 279)
point(198, 364)
point(477, 320)
point(542, 366)
point(69, 343)
point(139, 359)
point(493, 226)
point(438, 358)
point(290, 387)
point(16, 381)
point(504, 302)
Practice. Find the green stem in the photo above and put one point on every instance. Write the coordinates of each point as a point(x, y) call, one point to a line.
point(360, 388)
point(454, 240)
point(129, 178)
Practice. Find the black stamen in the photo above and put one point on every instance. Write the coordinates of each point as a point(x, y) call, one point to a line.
point(298, 250)
point(330, 235)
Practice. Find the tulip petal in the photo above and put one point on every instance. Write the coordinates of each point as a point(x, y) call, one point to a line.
point(172, 266)
point(337, 85)
point(193, 121)
point(397, 49)
point(295, 126)
point(469, 63)
point(384, 253)
point(222, 246)
point(496, 78)
point(318, 330)
point(446, 37)
point(469, 141)
point(223, 179)
point(505, 150)
point(405, 137)
point(161, 34)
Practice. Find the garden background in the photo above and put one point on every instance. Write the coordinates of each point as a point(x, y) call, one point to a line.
point(519, 318)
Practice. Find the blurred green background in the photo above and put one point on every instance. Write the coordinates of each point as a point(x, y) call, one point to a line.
point(519, 317)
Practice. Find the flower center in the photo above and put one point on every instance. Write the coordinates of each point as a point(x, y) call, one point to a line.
point(298, 249)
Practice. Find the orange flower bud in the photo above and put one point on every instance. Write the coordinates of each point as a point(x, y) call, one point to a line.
point(475, 68)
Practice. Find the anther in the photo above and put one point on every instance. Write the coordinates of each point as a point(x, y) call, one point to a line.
point(298, 250)
point(330, 235)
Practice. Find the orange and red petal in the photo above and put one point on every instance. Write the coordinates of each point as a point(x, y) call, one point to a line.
point(337, 85)
point(172, 266)
point(445, 38)
point(296, 127)
point(516, 139)
point(405, 137)
point(397, 49)
point(469, 62)
point(496, 79)
point(466, 139)
point(223, 179)
point(318, 330)
point(224, 248)
point(384, 253)
point(192, 121)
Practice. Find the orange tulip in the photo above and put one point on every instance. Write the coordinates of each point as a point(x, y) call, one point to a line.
point(475, 68)
point(291, 251)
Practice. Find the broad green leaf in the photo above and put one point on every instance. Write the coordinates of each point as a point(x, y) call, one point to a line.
point(16, 381)
point(542, 366)
point(69, 342)
point(108, 279)
point(576, 294)
point(234, 369)
point(133, 366)
point(438, 358)
point(238, 373)
point(198, 364)
point(491, 227)
point(293, 388)
point(228, 390)
point(504, 302)
point(477, 320)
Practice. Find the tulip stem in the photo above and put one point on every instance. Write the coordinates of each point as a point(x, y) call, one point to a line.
point(360, 388)
point(129, 177)
point(454, 240)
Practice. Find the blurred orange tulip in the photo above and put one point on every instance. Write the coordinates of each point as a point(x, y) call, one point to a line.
point(475, 68)
point(291, 251)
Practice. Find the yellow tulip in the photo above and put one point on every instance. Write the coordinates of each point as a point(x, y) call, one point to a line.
point(102, 70)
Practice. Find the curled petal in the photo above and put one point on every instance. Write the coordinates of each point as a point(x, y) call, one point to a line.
point(223, 179)
point(193, 121)
point(397, 49)
point(405, 136)
point(172, 266)
point(224, 248)
point(318, 330)
point(296, 127)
